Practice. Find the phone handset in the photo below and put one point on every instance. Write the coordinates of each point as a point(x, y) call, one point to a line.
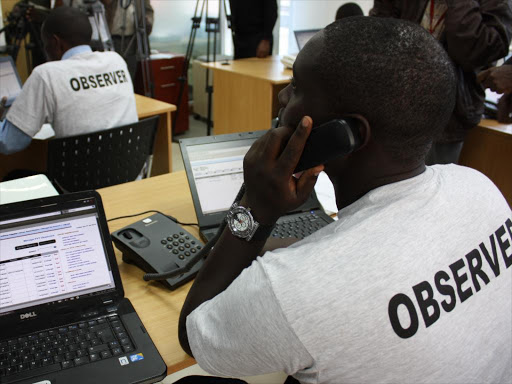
point(335, 138)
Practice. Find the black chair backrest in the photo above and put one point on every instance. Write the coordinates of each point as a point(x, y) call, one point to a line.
point(103, 158)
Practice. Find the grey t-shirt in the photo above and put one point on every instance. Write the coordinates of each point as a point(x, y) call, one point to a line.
point(88, 92)
point(412, 284)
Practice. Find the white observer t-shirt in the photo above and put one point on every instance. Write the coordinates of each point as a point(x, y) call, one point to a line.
point(413, 284)
point(87, 92)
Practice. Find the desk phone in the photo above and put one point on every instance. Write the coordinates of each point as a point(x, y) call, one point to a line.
point(157, 244)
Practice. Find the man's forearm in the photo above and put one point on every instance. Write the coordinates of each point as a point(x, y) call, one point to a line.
point(229, 257)
point(12, 139)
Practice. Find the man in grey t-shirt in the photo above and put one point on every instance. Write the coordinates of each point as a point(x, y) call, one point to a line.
point(78, 91)
point(412, 283)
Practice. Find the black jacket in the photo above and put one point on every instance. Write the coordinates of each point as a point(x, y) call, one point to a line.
point(253, 17)
point(476, 34)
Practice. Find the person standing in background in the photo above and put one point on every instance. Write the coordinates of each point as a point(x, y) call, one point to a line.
point(252, 22)
point(121, 22)
point(474, 34)
point(120, 15)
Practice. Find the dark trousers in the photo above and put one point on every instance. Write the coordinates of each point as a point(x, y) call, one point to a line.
point(130, 55)
point(220, 380)
point(246, 45)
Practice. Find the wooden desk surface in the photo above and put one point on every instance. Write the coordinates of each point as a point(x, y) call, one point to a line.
point(269, 68)
point(147, 106)
point(495, 126)
point(488, 149)
point(158, 307)
point(245, 96)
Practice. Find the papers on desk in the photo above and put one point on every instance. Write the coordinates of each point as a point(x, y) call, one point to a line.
point(157, 56)
point(325, 194)
point(288, 60)
point(45, 133)
point(26, 188)
point(492, 96)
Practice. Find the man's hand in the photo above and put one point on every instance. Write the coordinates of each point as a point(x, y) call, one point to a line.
point(505, 109)
point(271, 188)
point(2, 106)
point(498, 79)
point(263, 49)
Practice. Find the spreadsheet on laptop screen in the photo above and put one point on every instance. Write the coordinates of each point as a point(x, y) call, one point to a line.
point(218, 173)
point(52, 257)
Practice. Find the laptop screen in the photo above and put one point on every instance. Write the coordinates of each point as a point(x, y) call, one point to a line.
point(303, 37)
point(51, 255)
point(10, 83)
point(214, 166)
point(218, 173)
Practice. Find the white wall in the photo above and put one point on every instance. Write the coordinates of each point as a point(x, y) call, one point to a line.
point(172, 27)
point(307, 14)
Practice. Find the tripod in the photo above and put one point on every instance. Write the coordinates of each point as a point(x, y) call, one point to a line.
point(142, 40)
point(212, 25)
point(18, 27)
point(101, 38)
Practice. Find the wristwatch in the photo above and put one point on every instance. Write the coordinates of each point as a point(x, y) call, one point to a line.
point(242, 224)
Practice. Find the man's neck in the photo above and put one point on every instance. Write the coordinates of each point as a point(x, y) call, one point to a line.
point(352, 182)
point(76, 50)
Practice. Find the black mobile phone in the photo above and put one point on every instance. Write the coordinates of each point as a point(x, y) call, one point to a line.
point(335, 138)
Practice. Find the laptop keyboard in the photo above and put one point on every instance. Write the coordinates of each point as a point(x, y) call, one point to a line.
point(64, 347)
point(299, 225)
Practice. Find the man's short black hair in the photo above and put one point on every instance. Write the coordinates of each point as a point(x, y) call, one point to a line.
point(395, 74)
point(348, 10)
point(70, 24)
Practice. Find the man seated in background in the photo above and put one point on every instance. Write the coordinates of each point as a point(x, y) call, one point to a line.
point(412, 283)
point(78, 91)
point(348, 10)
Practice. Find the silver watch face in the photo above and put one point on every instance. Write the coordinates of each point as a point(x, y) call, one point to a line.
point(241, 222)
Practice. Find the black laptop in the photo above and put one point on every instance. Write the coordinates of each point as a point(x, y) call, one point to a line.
point(63, 314)
point(214, 167)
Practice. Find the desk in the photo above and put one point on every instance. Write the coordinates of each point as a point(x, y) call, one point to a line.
point(488, 148)
point(34, 156)
point(158, 307)
point(245, 93)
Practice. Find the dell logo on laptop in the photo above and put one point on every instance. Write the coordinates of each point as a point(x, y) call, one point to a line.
point(28, 315)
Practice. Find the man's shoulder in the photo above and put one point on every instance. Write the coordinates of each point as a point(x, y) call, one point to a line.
point(93, 55)
point(459, 173)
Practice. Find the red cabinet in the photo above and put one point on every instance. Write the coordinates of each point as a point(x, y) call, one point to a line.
point(166, 73)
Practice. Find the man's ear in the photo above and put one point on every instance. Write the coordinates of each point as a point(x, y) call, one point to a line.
point(60, 46)
point(364, 129)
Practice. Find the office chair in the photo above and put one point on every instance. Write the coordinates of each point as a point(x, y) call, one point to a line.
point(103, 158)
